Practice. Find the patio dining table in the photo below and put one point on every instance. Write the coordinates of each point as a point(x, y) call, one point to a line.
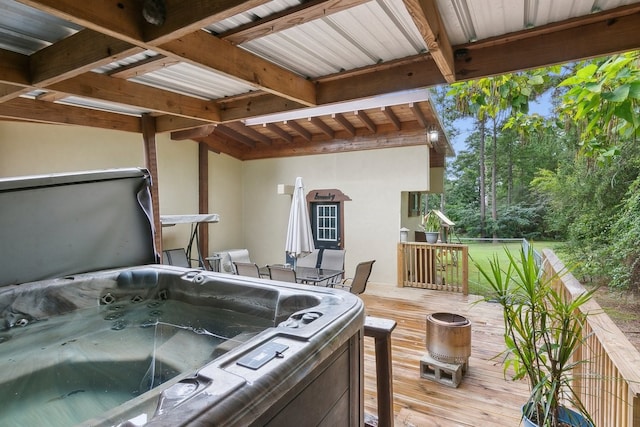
point(309, 275)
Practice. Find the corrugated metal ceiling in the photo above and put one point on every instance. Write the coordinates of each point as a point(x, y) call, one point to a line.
point(374, 32)
point(368, 34)
point(325, 53)
point(26, 30)
point(473, 20)
point(371, 33)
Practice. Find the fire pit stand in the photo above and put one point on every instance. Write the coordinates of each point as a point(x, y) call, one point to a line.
point(449, 345)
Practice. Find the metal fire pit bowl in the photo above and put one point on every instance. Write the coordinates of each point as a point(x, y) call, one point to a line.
point(449, 337)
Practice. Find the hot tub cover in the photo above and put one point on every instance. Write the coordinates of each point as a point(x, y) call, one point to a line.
point(62, 224)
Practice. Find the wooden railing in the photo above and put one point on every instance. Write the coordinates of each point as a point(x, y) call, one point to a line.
point(609, 382)
point(439, 266)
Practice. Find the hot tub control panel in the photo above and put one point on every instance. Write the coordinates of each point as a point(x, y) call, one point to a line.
point(262, 355)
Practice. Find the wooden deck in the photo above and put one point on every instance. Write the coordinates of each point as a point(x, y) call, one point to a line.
point(484, 398)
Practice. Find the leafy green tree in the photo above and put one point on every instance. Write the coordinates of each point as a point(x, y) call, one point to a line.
point(489, 101)
point(625, 251)
point(574, 177)
point(603, 98)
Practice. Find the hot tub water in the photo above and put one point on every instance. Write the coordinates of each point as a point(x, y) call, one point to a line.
point(74, 367)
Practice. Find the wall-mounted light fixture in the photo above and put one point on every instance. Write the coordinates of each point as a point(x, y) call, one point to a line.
point(433, 134)
point(285, 189)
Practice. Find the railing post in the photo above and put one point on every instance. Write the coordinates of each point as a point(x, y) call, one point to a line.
point(380, 329)
point(465, 270)
point(401, 263)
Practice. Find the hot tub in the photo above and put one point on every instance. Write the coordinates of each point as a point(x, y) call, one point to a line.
point(158, 345)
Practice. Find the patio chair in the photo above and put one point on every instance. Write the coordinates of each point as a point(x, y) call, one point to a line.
point(283, 274)
point(177, 257)
point(310, 260)
point(358, 283)
point(333, 259)
point(249, 269)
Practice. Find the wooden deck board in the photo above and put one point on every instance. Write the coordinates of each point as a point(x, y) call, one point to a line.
point(483, 398)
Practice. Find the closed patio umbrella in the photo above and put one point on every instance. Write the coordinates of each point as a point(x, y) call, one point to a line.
point(299, 235)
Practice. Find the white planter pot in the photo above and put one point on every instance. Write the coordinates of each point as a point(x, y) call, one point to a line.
point(432, 236)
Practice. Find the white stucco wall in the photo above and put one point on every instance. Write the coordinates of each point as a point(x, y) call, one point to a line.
point(372, 179)
point(31, 149)
point(244, 194)
point(226, 199)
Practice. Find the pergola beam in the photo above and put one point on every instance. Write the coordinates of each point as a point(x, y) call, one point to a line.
point(427, 18)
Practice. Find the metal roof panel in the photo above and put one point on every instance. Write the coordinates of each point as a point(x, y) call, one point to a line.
point(26, 30)
point(102, 105)
point(191, 80)
point(373, 32)
point(251, 15)
point(472, 20)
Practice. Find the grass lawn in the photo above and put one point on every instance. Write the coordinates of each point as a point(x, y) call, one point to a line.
point(481, 253)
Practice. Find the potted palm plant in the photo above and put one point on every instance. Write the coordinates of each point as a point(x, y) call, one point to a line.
point(543, 330)
point(431, 225)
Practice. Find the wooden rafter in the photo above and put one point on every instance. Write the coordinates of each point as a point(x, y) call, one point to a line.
point(169, 123)
point(288, 18)
point(14, 68)
point(322, 126)
point(75, 55)
point(391, 116)
point(345, 123)
point(194, 133)
point(190, 16)
point(366, 120)
point(427, 18)
point(139, 68)
point(279, 131)
point(8, 92)
point(236, 136)
point(48, 112)
point(418, 114)
point(250, 132)
point(297, 128)
point(51, 96)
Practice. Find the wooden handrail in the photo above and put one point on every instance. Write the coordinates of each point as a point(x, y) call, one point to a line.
point(609, 382)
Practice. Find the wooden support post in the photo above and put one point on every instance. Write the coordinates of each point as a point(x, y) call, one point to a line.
point(151, 161)
point(203, 199)
point(380, 329)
